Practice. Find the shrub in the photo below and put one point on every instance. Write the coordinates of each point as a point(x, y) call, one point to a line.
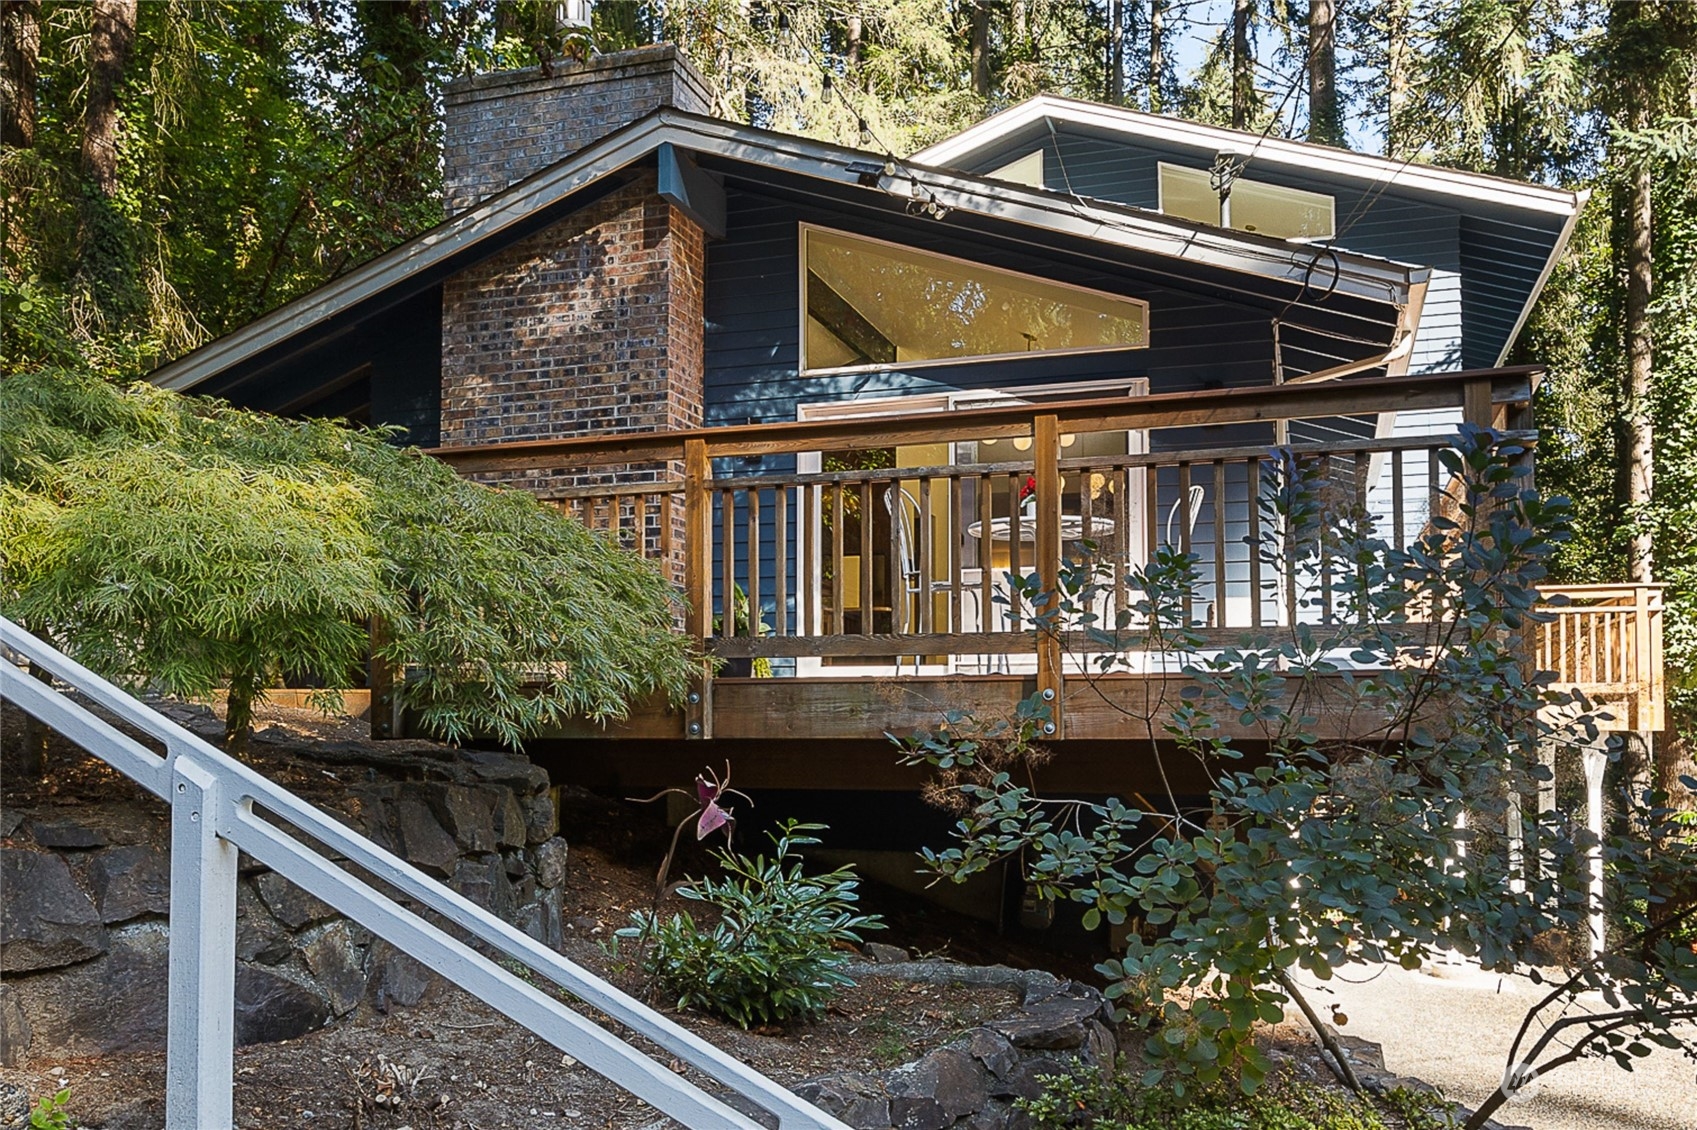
point(179, 543)
point(1091, 1099)
point(1309, 853)
point(773, 954)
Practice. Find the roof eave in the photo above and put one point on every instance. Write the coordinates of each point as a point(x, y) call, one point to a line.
point(1532, 296)
point(1134, 229)
point(1307, 155)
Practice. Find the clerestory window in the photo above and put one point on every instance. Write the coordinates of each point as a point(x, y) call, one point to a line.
point(1267, 209)
point(871, 304)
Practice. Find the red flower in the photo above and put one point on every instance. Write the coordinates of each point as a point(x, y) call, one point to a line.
point(1029, 489)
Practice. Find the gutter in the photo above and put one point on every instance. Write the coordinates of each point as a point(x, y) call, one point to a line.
point(1394, 359)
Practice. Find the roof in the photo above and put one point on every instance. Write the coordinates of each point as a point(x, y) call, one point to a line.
point(559, 189)
point(1325, 159)
point(1514, 232)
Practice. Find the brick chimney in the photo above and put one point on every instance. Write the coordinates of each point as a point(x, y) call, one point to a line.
point(594, 323)
point(502, 127)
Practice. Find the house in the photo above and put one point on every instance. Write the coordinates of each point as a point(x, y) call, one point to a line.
point(862, 388)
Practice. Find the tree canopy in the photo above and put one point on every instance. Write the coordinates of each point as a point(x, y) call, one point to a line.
point(177, 543)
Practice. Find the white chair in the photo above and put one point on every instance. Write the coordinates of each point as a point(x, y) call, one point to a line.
point(912, 586)
point(1194, 497)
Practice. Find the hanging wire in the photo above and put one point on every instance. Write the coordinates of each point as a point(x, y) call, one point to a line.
point(1366, 203)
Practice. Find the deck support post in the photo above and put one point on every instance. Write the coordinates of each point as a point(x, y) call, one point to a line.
point(1050, 681)
point(1596, 762)
point(201, 988)
point(698, 583)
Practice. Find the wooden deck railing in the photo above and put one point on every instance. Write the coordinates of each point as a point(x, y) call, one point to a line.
point(854, 560)
point(1606, 642)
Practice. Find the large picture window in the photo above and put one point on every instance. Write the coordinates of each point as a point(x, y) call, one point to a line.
point(1267, 209)
point(869, 303)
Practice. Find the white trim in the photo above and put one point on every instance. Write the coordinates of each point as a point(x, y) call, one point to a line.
point(1213, 139)
point(1134, 229)
point(1583, 195)
point(804, 227)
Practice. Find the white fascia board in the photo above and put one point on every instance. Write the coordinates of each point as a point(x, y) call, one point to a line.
point(1323, 159)
point(1556, 253)
point(1322, 270)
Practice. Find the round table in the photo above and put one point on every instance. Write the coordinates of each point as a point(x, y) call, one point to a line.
point(1072, 529)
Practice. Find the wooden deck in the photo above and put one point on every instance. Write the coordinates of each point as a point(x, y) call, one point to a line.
point(874, 554)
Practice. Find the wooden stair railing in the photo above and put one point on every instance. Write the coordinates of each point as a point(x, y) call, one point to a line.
point(1605, 641)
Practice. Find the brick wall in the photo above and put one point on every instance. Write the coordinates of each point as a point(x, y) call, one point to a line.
point(500, 128)
point(591, 325)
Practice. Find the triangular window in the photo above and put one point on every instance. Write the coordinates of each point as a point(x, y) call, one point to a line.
point(875, 304)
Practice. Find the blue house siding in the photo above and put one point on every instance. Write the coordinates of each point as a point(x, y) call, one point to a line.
point(1499, 252)
point(1197, 339)
point(1371, 222)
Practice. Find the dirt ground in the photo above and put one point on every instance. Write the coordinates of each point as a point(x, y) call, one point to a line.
point(450, 1062)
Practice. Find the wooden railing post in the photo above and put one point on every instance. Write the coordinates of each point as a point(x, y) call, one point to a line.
point(698, 582)
point(1476, 406)
point(1047, 452)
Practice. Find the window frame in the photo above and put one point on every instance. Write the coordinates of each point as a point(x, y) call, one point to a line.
point(1331, 200)
point(804, 227)
point(1037, 156)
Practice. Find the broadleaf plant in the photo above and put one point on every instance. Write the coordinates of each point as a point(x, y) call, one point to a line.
point(1309, 853)
point(772, 951)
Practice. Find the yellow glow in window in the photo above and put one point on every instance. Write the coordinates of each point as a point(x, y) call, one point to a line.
point(873, 303)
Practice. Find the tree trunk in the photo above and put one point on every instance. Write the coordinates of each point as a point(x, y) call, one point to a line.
point(1396, 75)
point(854, 34)
point(1243, 74)
point(1641, 43)
point(1157, 48)
point(107, 270)
point(981, 84)
point(1113, 89)
point(32, 754)
point(238, 713)
point(111, 36)
point(1640, 363)
point(1324, 123)
point(20, 52)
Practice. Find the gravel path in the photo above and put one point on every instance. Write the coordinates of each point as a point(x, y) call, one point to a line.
point(1452, 1025)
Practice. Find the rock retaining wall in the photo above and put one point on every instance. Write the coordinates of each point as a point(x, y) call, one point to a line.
point(85, 891)
point(973, 1082)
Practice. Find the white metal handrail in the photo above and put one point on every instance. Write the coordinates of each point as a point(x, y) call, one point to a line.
point(216, 808)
